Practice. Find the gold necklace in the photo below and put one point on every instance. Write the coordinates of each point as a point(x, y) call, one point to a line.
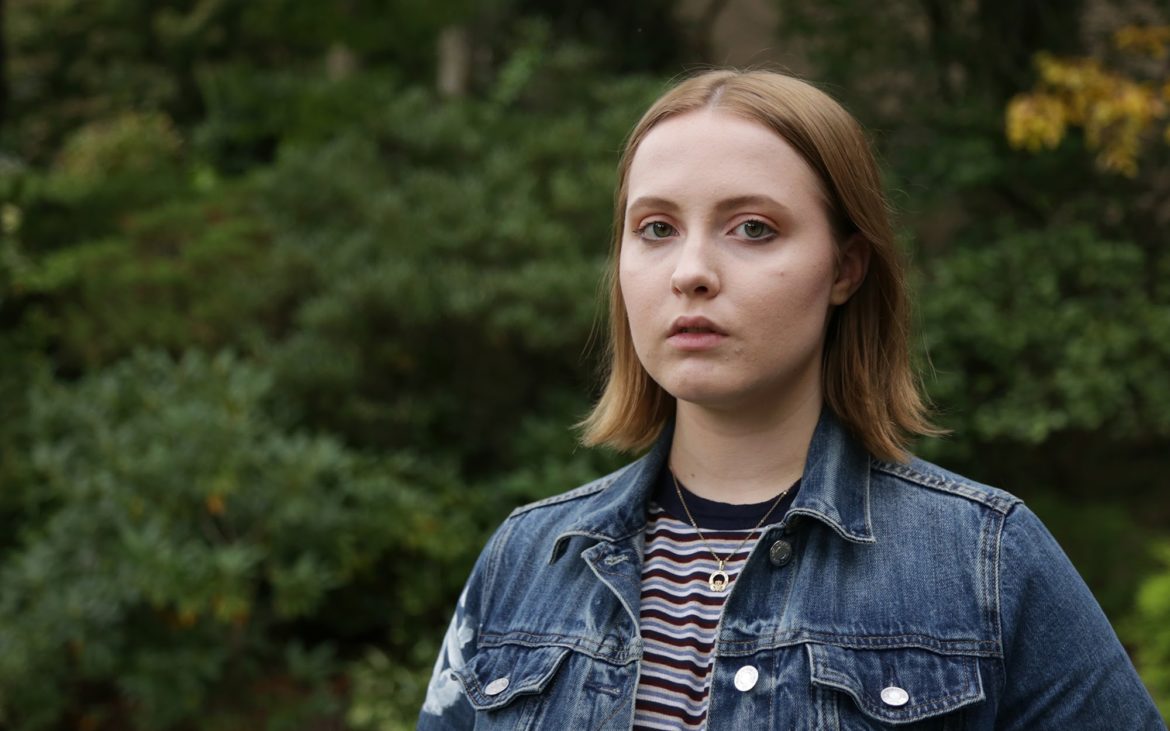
point(719, 578)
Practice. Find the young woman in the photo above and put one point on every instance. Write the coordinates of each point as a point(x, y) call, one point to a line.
point(776, 560)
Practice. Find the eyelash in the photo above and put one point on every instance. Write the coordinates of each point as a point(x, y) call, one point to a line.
point(641, 230)
point(769, 234)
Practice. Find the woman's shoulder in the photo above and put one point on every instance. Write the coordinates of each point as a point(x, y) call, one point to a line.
point(572, 500)
point(928, 481)
point(605, 507)
point(923, 506)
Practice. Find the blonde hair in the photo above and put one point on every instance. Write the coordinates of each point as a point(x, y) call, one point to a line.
point(868, 380)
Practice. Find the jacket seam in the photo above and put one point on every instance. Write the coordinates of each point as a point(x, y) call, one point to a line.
point(998, 596)
point(532, 640)
point(988, 569)
point(586, 490)
point(1002, 505)
point(492, 567)
point(970, 647)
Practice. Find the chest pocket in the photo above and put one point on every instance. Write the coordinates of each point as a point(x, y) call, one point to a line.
point(500, 677)
point(904, 687)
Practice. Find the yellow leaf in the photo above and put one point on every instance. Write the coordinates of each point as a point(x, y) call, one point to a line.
point(1035, 121)
point(1146, 40)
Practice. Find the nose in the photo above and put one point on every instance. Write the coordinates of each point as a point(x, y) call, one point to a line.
point(694, 271)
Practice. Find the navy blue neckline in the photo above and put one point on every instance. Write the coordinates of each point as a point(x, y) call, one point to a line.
point(712, 514)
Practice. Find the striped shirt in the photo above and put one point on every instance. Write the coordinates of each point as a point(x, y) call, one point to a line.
point(679, 611)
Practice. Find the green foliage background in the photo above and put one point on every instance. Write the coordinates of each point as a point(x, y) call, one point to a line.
point(283, 336)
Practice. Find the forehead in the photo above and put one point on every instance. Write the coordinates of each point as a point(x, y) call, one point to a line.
point(711, 151)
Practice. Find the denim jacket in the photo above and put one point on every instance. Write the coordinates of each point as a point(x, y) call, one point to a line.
point(891, 596)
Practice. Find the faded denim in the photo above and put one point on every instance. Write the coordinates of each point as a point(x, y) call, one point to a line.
point(903, 576)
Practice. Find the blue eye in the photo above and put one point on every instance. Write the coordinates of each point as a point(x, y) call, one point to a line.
point(655, 230)
point(755, 230)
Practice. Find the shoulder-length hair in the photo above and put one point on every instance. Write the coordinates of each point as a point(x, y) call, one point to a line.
point(868, 380)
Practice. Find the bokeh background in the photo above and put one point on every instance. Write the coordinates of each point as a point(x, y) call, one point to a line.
point(296, 303)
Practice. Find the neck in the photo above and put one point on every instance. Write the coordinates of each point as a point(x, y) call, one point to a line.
point(742, 457)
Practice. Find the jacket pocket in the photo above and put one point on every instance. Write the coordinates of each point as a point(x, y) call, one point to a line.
point(897, 686)
point(497, 676)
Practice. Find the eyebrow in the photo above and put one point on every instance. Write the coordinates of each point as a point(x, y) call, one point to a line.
point(726, 204)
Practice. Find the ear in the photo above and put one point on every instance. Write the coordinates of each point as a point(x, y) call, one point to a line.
point(852, 265)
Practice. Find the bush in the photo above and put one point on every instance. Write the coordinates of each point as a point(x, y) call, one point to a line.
point(129, 143)
point(1048, 331)
point(386, 695)
point(196, 273)
point(385, 252)
point(459, 245)
point(1149, 630)
point(184, 548)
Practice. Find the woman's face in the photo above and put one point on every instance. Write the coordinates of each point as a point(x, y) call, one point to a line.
point(728, 265)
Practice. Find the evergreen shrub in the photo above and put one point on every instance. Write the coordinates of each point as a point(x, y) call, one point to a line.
point(185, 553)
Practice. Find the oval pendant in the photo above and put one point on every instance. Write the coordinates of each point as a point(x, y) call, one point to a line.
point(718, 580)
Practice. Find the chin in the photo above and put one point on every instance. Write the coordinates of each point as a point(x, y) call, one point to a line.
point(723, 394)
point(706, 395)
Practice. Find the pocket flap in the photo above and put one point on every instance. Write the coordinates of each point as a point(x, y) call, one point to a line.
point(496, 675)
point(898, 685)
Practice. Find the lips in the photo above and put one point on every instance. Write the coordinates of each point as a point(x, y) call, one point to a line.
point(694, 325)
point(694, 334)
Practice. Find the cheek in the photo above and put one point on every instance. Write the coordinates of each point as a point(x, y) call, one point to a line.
point(809, 280)
point(790, 283)
point(796, 301)
point(814, 288)
point(633, 285)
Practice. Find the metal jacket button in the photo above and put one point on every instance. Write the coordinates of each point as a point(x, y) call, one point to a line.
point(497, 686)
point(895, 696)
point(746, 678)
point(780, 553)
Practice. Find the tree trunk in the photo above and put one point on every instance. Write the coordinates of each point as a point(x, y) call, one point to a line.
point(454, 61)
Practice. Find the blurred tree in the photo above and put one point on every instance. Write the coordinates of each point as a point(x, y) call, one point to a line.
point(76, 61)
point(409, 278)
point(630, 37)
point(184, 548)
point(1115, 110)
point(3, 65)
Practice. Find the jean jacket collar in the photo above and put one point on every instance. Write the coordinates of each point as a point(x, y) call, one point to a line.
point(834, 489)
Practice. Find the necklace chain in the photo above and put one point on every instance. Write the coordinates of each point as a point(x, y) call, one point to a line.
point(719, 578)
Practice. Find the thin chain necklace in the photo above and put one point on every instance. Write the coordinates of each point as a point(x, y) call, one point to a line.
point(719, 578)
